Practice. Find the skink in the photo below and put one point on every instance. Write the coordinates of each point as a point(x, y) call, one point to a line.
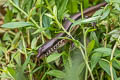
point(54, 43)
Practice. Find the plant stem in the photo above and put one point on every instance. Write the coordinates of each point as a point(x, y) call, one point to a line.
point(85, 56)
point(101, 76)
point(84, 37)
point(86, 74)
point(86, 62)
point(41, 23)
point(111, 72)
point(30, 75)
point(81, 10)
point(112, 54)
point(113, 51)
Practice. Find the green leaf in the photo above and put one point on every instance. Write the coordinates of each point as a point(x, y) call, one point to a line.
point(15, 41)
point(106, 67)
point(117, 53)
point(116, 63)
point(71, 8)
point(3, 49)
point(98, 13)
point(95, 59)
point(53, 57)
point(24, 66)
point(77, 43)
point(106, 13)
point(7, 37)
point(20, 73)
point(49, 15)
point(17, 58)
point(27, 5)
point(76, 66)
point(61, 5)
point(55, 11)
point(75, 72)
point(105, 51)
point(56, 73)
point(115, 1)
point(36, 69)
point(117, 6)
point(12, 72)
point(16, 2)
point(34, 43)
point(39, 30)
point(107, 1)
point(93, 36)
point(90, 46)
point(86, 3)
point(84, 21)
point(118, 78)
point(16, 24)
point(46, 21)
point(114, 34)
point(8, 16)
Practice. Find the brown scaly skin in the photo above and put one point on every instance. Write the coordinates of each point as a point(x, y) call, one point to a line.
point(54, 43)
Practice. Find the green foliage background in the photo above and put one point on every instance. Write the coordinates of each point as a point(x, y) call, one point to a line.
point(28, 24)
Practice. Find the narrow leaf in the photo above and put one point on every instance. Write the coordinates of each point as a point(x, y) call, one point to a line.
point(90, 46)
point(34, 43)
point(116, 63)
point(55, 11)
point(105, 51)
point(12, 72)
point(16, 24)
point(95, 59)
point(89, 20)
point(53, 57)
point(56, 73)
point(105, 13)
point(39, 30)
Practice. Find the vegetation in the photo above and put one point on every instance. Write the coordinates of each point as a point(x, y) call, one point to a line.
point(28, 24)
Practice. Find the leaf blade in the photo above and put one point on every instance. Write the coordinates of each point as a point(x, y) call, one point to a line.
point(16, 25)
